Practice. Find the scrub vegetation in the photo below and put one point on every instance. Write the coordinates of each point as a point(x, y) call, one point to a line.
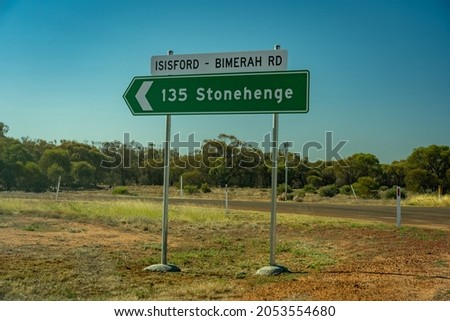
point(34, 165)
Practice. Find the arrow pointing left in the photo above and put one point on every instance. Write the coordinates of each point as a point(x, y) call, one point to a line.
point(140, 96)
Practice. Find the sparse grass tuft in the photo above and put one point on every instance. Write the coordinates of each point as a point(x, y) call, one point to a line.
point(428, 200)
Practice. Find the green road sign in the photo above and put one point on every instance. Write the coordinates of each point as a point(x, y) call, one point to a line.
point(265, 92)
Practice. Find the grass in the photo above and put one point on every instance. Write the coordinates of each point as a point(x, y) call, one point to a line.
point(204, 242)
point(421, 234)
point(109, 210)
point(217, 252)
point(428, 200)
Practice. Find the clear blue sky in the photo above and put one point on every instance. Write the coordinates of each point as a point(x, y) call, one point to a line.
point(380, 70)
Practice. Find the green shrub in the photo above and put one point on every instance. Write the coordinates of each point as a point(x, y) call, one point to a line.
point(328, 191)
point(346, 190)
point(289, 197)
point(299, 193)
point(392, 193)
point(309, 189)
point(281, 189)
point(366, 187)
point(191, 189)
point(205, 188)
point(120, 190)
point(314, 180)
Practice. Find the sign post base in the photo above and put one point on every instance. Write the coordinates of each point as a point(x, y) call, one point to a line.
point(272, 270)
point(162, 268)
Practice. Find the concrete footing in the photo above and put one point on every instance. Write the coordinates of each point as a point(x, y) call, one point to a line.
point(162, 268)
point(272, 270)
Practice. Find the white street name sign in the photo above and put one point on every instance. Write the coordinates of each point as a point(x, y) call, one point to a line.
point(217, 63)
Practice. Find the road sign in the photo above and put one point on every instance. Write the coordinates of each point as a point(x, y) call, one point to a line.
point(267, 92)
point(213, 63)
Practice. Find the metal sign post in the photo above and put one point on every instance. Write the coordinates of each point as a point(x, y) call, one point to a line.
point(165, 220)
point(273, 208)
point(164, 267)
point(226, 198)
point(286, 146)
point(399, 209)
point(181, 185)
point(57, 187)
point(273, 268)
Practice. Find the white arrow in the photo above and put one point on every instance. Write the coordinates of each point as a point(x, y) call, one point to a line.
point(140, 96)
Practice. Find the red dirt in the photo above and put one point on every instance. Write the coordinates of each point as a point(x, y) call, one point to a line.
point(372, 264)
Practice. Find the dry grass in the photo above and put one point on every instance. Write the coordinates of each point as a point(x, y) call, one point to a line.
point(96, 249)
point(250, 194)
point(428, 200)
point(264, 194)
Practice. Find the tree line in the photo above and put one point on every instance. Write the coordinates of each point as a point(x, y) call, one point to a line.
point(37, 165)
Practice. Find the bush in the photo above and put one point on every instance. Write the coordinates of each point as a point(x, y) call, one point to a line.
point(191, 189)
point(314, 180)
point(346, 190)
point(205, 188)
point(366, 187)
point(392, 193)
point(281, 189)
point(289, 197)
point(120, 190)
point(36, 181)
point(419, 180)
point(309, 189)
point(328, 191)
point(194, 177)
point(299, 193)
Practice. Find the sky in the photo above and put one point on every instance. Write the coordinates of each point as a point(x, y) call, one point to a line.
point(379, 70)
